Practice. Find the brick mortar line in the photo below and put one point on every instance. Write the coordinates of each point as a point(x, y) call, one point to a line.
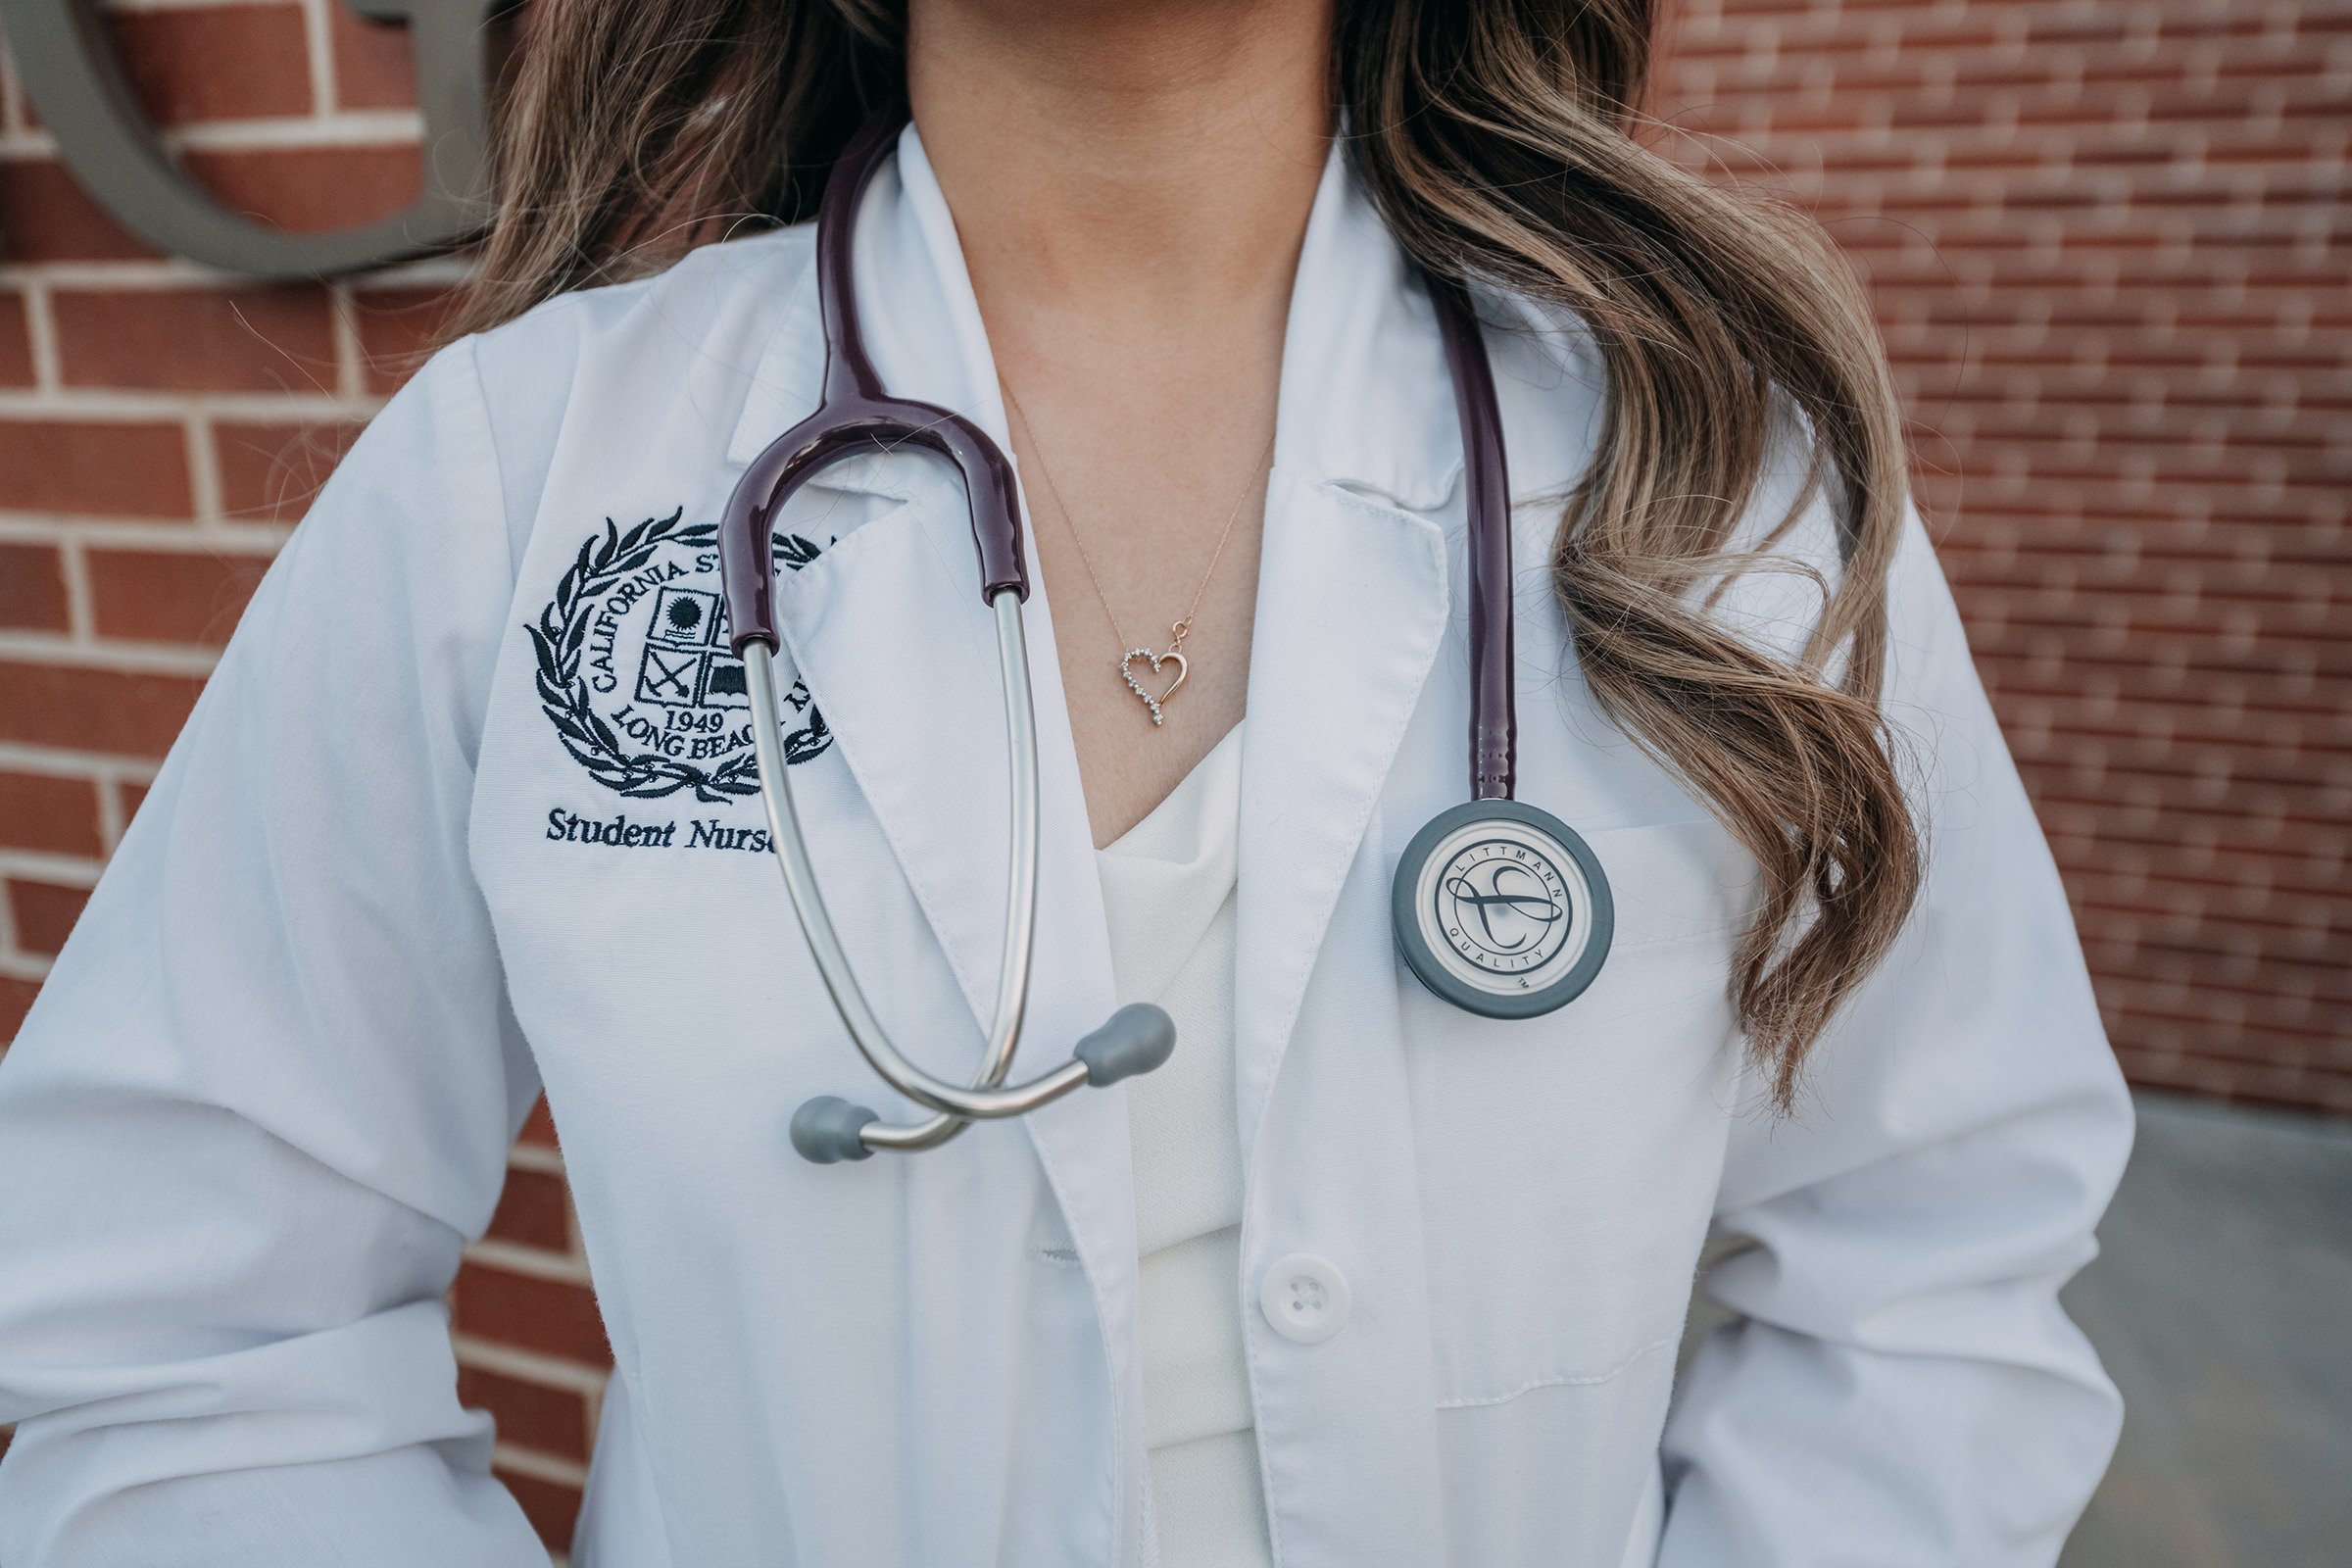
point(40, 327)
point(148, 7)
point(120, 406)
point(512, 1258)
point(2049, 154)
point(351, 351)
point(204, 471)
point(2243, 84)
point(119, 656)
point(424, 271)
point(64, 762)
point(220, 538)
point(1915, 28)
point(113, 816)
point(234, 534)
point(537, 1368)
point(347, 128)
point(2142, 894)
point(2308, 1049)
point(141, 271)
point(61, 870)
point(227, 536)
point(2200, 59)
point(536, 1157)
point(81, 612)
point(431, 272)
point(540, 1466)
point(344, 129)
point(12, 95)
point(2052, 155)
point(318, 39)
point(528, 1366)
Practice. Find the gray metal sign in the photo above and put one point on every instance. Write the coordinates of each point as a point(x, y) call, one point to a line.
point(70, 68)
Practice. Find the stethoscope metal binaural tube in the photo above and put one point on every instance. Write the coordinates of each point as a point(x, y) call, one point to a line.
point(849, 1000)
point(984, 1099)
point(828, 1129)
point(854, 416)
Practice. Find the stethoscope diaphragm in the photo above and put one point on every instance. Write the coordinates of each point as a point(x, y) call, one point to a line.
point(1501, 909)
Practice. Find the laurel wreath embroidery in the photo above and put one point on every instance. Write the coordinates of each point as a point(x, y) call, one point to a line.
point(561, 637)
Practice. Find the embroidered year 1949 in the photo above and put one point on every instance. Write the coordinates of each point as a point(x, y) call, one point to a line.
point(635, 673)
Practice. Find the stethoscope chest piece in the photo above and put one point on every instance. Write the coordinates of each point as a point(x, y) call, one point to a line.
point(1501, 909)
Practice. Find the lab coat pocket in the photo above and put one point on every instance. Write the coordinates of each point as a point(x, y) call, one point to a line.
point(1568, 1162)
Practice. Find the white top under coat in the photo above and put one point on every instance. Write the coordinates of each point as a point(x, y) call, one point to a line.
point(266, 1095)
point(1169, 903)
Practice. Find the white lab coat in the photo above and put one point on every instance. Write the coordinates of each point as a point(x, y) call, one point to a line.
point(266, 1097)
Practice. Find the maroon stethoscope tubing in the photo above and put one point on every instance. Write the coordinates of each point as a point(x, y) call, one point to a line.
point(853, 419)
point(856, 417)
point(1493, 709)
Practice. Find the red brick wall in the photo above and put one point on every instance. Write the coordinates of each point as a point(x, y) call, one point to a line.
point(2107, 246)
point(2105, 241)
point(161, 427)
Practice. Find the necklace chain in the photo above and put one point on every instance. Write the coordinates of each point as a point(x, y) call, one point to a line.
point(1182, 627)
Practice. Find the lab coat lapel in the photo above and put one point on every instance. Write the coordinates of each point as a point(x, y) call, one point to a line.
point(888, 628)
point(890, 635)
point(1351, 609)
point(887, 625)
point(1353, 613)
point(1352, 604)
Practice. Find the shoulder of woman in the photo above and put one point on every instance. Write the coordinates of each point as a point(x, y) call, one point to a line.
point(704, 317)
point(657, 367)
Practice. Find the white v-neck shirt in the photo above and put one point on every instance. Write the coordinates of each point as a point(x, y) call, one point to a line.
point(1168, 887)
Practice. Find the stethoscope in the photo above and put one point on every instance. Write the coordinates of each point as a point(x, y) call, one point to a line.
point(1499, 908)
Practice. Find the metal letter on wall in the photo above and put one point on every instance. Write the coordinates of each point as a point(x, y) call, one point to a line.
point(70, 68)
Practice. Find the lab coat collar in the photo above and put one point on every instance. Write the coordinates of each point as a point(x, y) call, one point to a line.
point(1361, 328)
point(928, 345)
point(1364, 398)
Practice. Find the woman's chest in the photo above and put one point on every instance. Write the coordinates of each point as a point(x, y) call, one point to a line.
point(1542, 1184)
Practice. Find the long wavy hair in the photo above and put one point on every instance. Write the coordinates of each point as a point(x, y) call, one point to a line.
point(1497, 139)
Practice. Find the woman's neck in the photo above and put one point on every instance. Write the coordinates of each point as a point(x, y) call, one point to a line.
point(1106, 158)
point(1131, 181)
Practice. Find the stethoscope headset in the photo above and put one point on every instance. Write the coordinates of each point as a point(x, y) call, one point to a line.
point(1498, 907)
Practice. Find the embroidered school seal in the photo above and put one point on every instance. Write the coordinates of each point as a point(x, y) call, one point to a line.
point(635, 672)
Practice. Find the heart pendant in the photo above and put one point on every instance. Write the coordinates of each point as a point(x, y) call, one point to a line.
point(1127, 674)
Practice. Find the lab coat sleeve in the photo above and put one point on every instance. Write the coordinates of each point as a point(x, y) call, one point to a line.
point(265, 1094)
point(1900, 1388)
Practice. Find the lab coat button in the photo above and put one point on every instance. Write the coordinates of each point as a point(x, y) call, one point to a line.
point(1305, 1298)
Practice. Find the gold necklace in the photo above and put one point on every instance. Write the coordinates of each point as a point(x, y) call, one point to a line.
point(1182, 625)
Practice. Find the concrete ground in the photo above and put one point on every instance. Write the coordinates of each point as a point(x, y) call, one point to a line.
point(2222, 1305)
